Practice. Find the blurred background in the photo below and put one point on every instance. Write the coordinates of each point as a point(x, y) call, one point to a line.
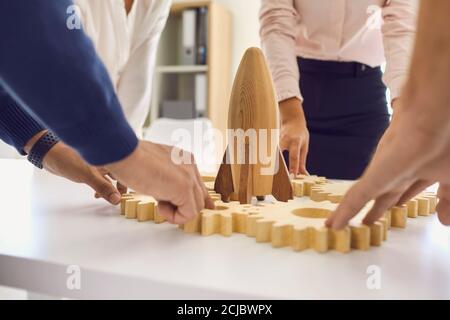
point(198, 55)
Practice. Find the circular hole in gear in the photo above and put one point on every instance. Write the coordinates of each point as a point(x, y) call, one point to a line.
point(312, 213)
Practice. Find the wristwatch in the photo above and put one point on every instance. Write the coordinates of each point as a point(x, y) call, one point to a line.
point(41, 147)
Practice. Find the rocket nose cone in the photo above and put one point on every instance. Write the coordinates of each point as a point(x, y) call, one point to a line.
point(253, 53)
point(253, 56)
point(252, 102)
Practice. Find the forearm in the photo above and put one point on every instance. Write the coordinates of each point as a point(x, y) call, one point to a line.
point(431, 60)
point(277, 32)
point(56, 74)
point(17, 127)
point(427, 89)
point(291, 109)
point(399, 30)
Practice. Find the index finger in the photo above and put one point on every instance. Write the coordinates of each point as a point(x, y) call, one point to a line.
point(355, 199)
point(202, 192)
point(393, 164)
point(294, 157)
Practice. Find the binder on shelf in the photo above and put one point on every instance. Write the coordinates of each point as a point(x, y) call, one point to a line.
point(178, 109)
point(201, 94)
point(202, 35)
point(188, 48)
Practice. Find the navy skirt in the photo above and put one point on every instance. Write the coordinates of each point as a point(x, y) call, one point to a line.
point(346, 112)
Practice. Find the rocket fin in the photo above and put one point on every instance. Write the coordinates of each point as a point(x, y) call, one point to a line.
point(224, 180)
point(282, 187)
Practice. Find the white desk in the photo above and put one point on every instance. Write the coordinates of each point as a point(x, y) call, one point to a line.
point(47, 224)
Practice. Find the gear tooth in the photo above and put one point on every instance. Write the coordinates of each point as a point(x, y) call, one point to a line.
point(334, 198)
point(131, 208)
point(339, 240)
point(264, 230)
point(315, 194)
point(307, 188)
point(210, 224)
point(424, 206)
point(193, 225)
point(319, 239)
point(251, 224)
point(318, 195)
point(281, 235)
point(215, 196)
point(376, 234)
point(413, 208)
point(433, 202)
point(385, 224)
point(297, 188)
point(387, 215)
point(239, 221)
point(123, 200)
point(399, 216)
point(157, 217)
point(145, 211)
point(300, 239)
point(225, 225)
point(360, 237)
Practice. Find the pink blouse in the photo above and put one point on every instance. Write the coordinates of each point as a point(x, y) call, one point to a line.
point(365, 31)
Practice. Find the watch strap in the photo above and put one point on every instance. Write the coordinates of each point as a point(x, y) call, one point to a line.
point(41, 148)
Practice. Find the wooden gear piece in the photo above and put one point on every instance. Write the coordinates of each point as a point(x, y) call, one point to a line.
point(217, 221)
point(294, 224)
point(302, 184)
point(423, 204)
point(140, 207)
point(301, 226)
point(145, 208)
point(227, 218)
point(253, 113)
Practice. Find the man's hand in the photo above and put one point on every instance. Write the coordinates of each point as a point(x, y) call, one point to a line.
point(415, 150)
point(408, 160)
point(294, 135)
point(65, 162)
point(120, 187)
point(152, 169)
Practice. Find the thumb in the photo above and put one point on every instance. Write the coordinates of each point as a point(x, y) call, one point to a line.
point(103, 188)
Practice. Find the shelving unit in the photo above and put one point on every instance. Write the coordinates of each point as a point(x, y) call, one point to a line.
point(174, 81)
point(182, 69)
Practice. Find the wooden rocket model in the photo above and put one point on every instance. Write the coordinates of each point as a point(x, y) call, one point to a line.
point(253, 164)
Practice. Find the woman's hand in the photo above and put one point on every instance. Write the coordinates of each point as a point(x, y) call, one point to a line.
point(294, 135)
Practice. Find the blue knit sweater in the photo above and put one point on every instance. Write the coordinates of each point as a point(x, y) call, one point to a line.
point(51, 76)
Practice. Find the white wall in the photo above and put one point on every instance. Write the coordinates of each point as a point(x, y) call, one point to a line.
point(245, 26)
